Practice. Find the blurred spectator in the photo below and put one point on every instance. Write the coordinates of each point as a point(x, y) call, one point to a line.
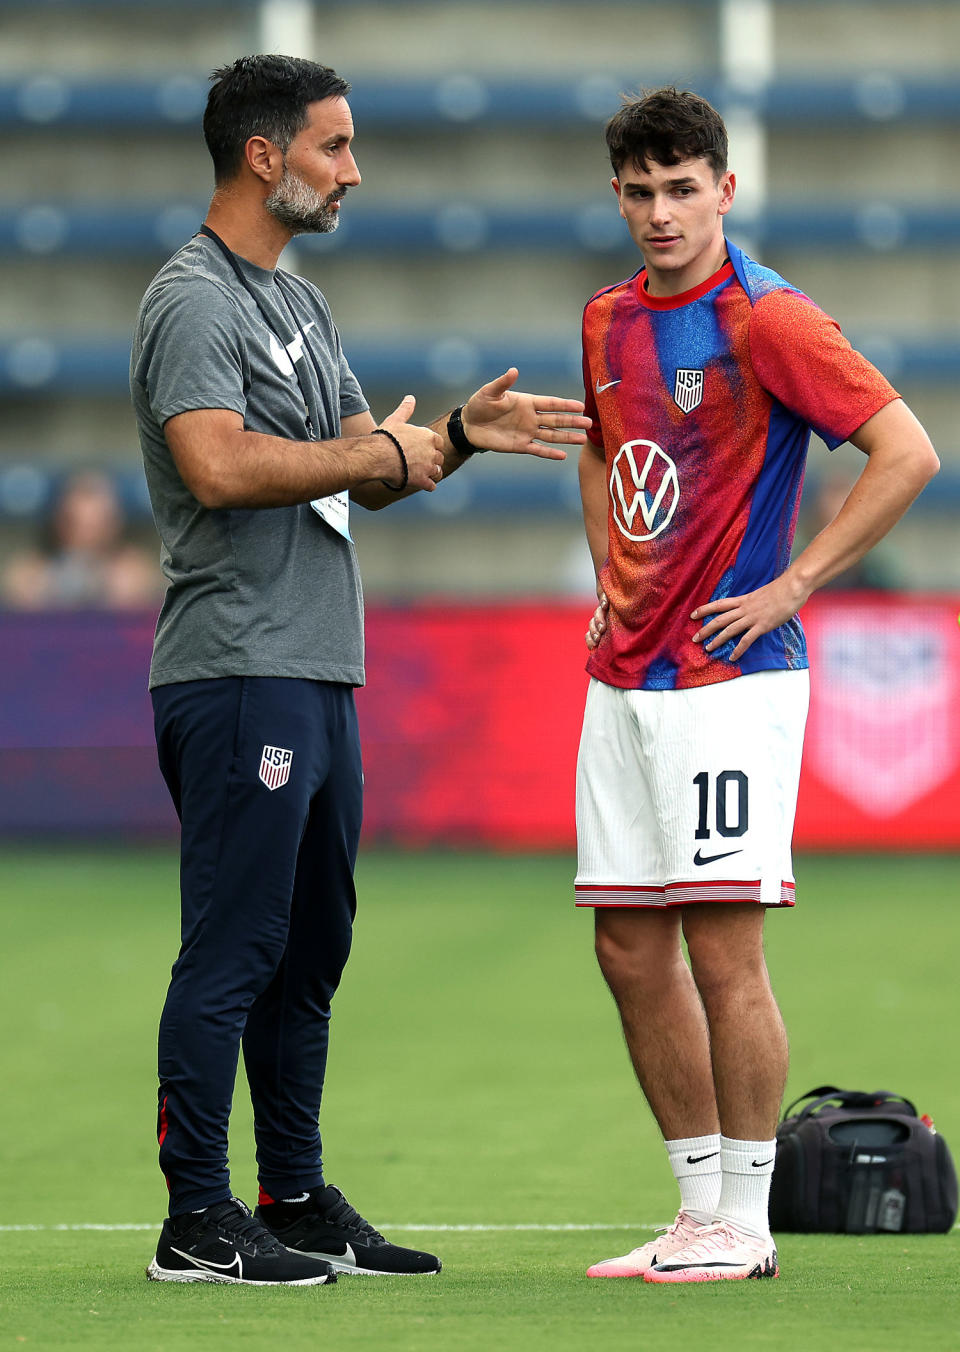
point(877, 570)
point(84, 557)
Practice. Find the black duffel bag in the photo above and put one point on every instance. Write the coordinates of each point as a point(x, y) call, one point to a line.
point(860, 1164)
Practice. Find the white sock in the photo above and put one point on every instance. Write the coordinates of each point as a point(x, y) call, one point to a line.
point(695, 1161)
point(745, 1189)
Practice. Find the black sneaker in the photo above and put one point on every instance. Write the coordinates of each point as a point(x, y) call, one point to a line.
point(325, 1225)
point(225, 1243)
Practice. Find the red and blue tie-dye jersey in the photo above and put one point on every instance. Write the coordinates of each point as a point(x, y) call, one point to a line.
point(703, 404)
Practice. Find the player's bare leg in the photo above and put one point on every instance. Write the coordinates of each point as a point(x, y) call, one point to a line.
point(748, 1043)
point(640, 955)
point(666, 1033)
point(749, 1052)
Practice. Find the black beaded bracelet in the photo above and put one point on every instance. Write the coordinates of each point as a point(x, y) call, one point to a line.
point(382, 432)
point(458, 437)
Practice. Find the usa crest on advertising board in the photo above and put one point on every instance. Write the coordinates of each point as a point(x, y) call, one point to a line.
point(879, 724)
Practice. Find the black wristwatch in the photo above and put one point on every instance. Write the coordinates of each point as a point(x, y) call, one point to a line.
point(458, 437)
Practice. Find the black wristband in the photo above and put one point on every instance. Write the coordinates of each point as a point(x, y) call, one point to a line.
point(458, 437)
point(404, 479)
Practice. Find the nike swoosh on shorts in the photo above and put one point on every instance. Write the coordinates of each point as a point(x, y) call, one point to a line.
point(712, 858)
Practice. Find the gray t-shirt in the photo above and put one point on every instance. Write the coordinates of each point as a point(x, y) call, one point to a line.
point(267, 592)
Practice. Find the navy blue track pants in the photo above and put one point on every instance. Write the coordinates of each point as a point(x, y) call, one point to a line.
point(266, 778)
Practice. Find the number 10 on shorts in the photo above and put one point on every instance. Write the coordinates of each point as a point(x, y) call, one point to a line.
point(731, 807)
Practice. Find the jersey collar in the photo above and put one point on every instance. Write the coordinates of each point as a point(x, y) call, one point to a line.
point(722, 274)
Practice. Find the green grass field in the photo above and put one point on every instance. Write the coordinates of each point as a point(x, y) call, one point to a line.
point(479, 1103)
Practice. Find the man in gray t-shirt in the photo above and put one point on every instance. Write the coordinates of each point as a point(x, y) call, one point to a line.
point(256, 440)
point(278, 576)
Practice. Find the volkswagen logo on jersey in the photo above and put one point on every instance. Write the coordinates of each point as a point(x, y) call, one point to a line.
point(643, 482)
point(275, 766)
point(688, 389)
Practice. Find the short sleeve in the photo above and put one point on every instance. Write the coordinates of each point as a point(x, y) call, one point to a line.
point(351, 395)
point(594, 432)
point(800, 356)
point(190, 354)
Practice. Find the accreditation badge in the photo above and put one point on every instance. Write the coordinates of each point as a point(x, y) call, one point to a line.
point(335, 511)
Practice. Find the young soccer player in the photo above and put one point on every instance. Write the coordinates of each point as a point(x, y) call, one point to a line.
point(704, 374)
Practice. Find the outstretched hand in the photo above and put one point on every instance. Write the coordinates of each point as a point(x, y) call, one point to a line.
point(499, 418)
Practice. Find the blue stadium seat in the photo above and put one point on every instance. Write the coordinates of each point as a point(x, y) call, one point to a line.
point(39, 365)
point(469, 226)
point(805, 103)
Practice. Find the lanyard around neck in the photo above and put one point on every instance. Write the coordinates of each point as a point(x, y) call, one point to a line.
point(244, 282)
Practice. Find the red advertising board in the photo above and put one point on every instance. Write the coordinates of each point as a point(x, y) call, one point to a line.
point(472, 715)
point(471, 719)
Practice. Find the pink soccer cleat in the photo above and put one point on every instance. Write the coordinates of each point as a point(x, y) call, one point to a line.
point(718, 1252)
point(638, 1262)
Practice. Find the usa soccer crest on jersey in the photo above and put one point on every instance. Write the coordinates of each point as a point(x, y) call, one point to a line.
point(275, 766)
point(688, 389)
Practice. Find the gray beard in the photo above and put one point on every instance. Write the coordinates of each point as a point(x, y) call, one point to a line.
point(300, 208)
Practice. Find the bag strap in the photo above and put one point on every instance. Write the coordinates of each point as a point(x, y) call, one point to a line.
point(822, 1095)
point(846, 1098)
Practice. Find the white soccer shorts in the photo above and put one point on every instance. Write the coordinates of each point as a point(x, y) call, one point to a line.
point(690, 795)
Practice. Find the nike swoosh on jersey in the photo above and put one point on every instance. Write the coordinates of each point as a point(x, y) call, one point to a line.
point(699, 858)
point(206, 1264)
point(609, 384)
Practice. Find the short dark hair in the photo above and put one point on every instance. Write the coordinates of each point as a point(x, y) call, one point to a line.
point(666, 126)
point(262, 96)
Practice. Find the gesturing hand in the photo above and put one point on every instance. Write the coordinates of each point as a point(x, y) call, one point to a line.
point(499, 418)
point(422, 447)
